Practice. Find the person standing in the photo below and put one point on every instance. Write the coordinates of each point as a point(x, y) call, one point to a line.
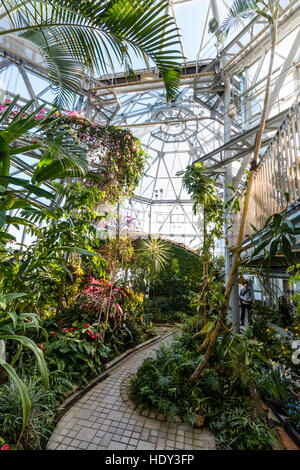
point(246, 301)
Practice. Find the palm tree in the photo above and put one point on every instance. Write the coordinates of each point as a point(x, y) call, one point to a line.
point(153, 252)
point(244, 9)
point(76, 35)
point(21, 132)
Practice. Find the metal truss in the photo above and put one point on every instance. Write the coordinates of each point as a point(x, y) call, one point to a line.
point(190, 128)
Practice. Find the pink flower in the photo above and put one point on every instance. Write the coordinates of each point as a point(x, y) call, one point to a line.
point(41, 346)
point(5, 447)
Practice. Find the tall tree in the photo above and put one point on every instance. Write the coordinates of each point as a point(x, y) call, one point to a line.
point(245, 9)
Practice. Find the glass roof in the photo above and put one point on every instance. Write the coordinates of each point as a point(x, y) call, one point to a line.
point(192, 125)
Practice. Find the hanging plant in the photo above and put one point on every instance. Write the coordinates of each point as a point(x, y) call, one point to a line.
point(115, 155)
point(116, 159)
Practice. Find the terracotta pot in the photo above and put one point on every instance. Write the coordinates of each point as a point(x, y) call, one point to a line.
point(199, 419)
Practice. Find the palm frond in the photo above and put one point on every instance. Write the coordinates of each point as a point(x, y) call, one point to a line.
point(240, 9)
point(73, 35)
point(153, 252)
point(17, 131)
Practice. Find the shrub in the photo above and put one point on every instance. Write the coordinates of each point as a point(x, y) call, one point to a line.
point(40, 419)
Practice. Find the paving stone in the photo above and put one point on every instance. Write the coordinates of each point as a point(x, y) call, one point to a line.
point(143, 445)
point(102, 420)
point(86, 434)
point(116, 446)
point(92, 447)
point(83, 445)
point(115, 415)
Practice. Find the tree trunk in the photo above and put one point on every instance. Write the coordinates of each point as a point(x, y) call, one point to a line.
point(62, 289)
point(237, 251)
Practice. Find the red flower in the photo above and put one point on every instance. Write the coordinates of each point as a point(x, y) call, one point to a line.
point(5, 447)
point(87, 325)
point(72, 329)
point(93, 336)
point(53, 334)
point(98, 335)
point(41, 346)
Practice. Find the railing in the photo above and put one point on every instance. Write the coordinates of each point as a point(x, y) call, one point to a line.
point(278, 173)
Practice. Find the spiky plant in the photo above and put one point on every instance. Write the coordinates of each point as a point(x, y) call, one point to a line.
point(153, 253)
point(75, 36)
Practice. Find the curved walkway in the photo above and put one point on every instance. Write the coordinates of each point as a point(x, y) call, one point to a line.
point(101, 420)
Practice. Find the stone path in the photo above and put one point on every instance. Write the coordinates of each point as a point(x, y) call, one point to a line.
point(101, 420)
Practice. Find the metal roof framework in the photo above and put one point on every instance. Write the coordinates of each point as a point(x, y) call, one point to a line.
point(189, 129)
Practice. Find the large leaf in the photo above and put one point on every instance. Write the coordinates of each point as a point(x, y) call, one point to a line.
point(76, 249)
point(30, 187)
point(38, 353)
point(26, 404)
point(7, 298)
point(73, 35)
point(2, 218)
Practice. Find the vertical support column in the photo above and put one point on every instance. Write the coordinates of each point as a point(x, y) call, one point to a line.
point(150, 219)
point(233, 310)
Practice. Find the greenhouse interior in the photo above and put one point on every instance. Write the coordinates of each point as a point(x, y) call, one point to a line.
point(149, 226)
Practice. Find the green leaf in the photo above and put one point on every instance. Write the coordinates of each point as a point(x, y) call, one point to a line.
point(76, 249)
point(24, 184)
point(38, 353)
point(2, 218)
point(2, 301)
point(74, 36)
point(26, 404)
point(17, 295)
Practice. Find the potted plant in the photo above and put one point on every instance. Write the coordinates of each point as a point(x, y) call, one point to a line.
point(198, 412)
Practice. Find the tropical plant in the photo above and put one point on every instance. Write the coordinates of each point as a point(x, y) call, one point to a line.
point(275, 240)
point(237, 428)
point(51, 263)
point(269, 10)
point(10, 323)
point(152, 252)
point(273, 384)
point(39, 422)
point(294, 272)
point(104, 299)
point(115, 157)
point(78, 352)
point(22, 132)
point(203, 191)
point(73, 36)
